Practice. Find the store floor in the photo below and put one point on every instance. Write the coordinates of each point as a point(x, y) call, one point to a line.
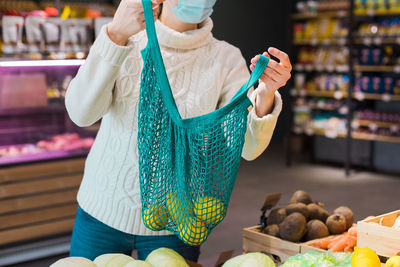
point(366, 193)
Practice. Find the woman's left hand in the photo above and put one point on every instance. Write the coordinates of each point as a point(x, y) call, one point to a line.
point(274, 77)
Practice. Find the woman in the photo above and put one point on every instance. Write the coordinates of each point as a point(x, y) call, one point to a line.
point(204, 73)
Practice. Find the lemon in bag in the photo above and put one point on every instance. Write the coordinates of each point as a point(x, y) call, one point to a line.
point(209, 210)
point(155, 217)
point(193, 231)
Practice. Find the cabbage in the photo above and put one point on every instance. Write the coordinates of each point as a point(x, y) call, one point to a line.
point(256, 259)
point(73, 262)
point(112, 260)
point(138, 263)
point(165, 257)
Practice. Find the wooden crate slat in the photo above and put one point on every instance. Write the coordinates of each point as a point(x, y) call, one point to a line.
point(39, 186)
point(255, 241)
point(41, 170)
point(32, 202)
point(36, 231)
point(36, 216)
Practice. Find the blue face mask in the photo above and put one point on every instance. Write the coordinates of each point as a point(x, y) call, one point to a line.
point(194, 11)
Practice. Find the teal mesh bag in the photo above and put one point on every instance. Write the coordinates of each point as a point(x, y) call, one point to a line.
point(187, 167)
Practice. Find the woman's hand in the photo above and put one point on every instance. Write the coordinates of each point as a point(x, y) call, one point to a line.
point(129, 20)
point(274, 77)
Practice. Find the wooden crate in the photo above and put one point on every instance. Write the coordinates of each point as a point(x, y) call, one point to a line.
point(38, 200)
point(255, 241)
point(383, 239)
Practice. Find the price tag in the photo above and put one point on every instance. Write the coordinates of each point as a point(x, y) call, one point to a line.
point(378, 41)
point(342, 41)
point(299, 67)
point(367, 41)
point(341, 13)
point(373, 127)
point(320, 104)
point(343, 110)
point(330, 68)
point(386, 97)
point(309, 131)
point(314, 41)
point(319, 67)
point(293, 92)
point(331, 134)
point(342, 68)
point(359, 96)
point(371, 12)
point(355, 125)
point(326, 41)
point(338, 95)
point(397, 69)
point(394, 128)
point(303, 92)
point(297, 130)
point(372, 137)
point(309, 67)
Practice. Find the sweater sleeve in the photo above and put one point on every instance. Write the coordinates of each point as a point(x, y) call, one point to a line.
point(90, 93)
point(259, 130)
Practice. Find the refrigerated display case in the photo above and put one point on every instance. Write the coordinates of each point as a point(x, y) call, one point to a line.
point(42, 152)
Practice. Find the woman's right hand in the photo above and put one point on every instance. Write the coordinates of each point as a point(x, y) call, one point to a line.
point(129, 20)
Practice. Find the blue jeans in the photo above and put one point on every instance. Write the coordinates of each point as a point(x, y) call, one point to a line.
point(91, 238)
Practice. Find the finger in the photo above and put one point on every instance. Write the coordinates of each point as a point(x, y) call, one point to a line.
point(134, 4)
point(278, 67)
point(255, 59)
point(273, 74)
point(282, 56)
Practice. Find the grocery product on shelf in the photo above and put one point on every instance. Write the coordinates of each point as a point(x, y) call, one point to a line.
point(320, 30)
point(317, 6)
point(372, 7)
point(65, 142)
point(323, 58)
point(377, 84)
point(381, 56)
point(12, 34)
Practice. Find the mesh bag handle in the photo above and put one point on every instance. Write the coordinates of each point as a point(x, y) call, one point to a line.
point(162, 78)
point(187, 167)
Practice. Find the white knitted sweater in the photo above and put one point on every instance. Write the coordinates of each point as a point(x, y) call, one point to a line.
point(204, 74)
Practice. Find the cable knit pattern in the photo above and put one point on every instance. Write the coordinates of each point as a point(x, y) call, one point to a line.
point(204, 74)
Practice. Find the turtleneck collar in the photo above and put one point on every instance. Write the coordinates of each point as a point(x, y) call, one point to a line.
point(186, 40)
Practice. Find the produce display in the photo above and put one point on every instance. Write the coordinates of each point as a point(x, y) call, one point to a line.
point(305, 220)
point(319, 259)
point(162, 257)
point(343, 242)
point(255, 259)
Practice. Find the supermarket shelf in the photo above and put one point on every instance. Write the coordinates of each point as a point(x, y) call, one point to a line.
point(379, 124)
point(376, 14)
point(318, 15)
point(355, 135)
point(316, 107)
point(340, 95)
point(327, 42)
point(321, 67)
point(376, 41)
point(32, 111)
point(42, 63)
point(366, 68)
point(45, 156)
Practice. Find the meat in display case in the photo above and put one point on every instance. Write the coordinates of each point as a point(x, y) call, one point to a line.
point(34, 124)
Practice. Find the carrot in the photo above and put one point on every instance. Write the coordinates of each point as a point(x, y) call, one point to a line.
point(353, 231)
point(340, 244)
point(323, 242)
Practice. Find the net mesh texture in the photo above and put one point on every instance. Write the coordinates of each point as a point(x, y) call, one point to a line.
point(187, 168)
